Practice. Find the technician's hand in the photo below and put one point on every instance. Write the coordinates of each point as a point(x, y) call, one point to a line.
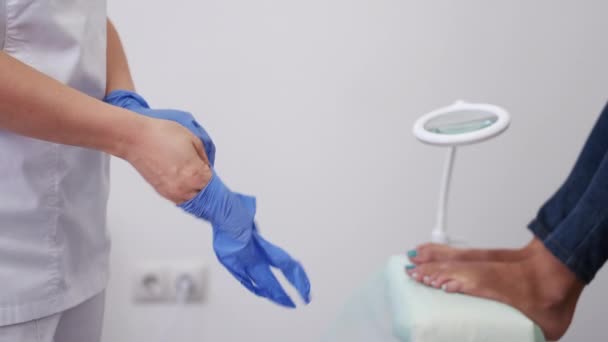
point(240, 247)
point(134, 102)
point(171, 159)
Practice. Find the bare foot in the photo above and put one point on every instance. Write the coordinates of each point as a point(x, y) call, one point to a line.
point(541, 287)
point(433, 252)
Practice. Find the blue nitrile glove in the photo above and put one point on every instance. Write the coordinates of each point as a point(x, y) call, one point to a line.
point(240, 247)
point(134, 102)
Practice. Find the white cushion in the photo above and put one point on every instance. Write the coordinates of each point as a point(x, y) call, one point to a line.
point(391, 307)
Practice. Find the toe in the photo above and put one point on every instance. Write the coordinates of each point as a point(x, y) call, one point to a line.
point(452, 286)
point(422, 254)
point(440, 280)
point(418, 256)
point(432, 279)
point(424, 273)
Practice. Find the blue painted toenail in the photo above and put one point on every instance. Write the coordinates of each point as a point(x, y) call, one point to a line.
point(410, 267)
point(412, 254)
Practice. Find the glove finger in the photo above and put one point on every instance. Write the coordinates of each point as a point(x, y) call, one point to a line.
point(269, 285)
point(243, 278)
point(200, 132)
point(199, 146)
point(210, 150)
point(293, 270)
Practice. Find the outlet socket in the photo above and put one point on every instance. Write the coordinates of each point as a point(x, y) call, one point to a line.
point(151, 284)
point(171, 282)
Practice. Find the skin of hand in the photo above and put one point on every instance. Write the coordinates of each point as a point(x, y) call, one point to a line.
point(35, 105)
point(171, 159)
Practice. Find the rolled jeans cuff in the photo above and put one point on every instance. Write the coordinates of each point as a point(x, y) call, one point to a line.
point(539, 229)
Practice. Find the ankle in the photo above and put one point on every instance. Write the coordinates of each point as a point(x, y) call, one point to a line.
point(554, 283)
point(532, 247)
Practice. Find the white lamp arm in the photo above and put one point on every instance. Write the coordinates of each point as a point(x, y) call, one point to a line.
point(439, 233)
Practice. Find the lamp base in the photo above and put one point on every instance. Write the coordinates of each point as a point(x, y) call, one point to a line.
point(439, 236)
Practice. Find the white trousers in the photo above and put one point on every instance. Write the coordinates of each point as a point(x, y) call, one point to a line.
point(81, 323)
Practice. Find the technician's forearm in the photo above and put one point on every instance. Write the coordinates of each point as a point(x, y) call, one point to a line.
point(35, 105)
point(118, 73)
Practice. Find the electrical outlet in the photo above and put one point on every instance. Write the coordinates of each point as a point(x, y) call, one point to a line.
point(171, 282)
point(188, 282)
point(151, 284)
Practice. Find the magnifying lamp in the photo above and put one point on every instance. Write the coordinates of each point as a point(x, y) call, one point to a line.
point(459, 124)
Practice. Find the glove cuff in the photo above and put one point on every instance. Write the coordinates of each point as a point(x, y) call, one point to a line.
point(125, 99)
point(206, 199)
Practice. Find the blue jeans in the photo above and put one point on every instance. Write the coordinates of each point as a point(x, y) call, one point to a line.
point(573, 223)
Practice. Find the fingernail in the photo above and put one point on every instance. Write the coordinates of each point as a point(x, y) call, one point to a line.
point(415, 275)
point(427, 279)
point(434, 284)
point(444, 287)
point(410, 267)
point(412, 253)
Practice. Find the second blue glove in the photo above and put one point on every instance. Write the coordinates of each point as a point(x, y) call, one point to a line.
point(240, 247)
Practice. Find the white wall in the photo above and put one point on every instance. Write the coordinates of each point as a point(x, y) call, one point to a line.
point(310, 104)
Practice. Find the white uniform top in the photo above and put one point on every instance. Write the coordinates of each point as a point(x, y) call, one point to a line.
point(53, 241)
